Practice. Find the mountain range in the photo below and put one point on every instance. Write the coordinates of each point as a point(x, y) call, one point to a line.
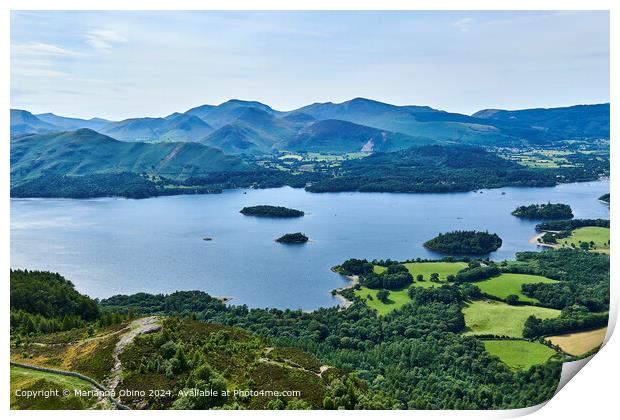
point(250, 128)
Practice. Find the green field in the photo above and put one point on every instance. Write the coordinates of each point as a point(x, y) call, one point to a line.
point(32, 380)
point(510, 284)
point(444, 269)
point(396, 299)
point(598, 235)
point(498, 318)
point(399, 297)
point(519, 354)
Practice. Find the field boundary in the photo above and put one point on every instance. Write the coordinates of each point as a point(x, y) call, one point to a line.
point(93, 382)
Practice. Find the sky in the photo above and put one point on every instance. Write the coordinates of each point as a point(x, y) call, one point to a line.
point(119, 65)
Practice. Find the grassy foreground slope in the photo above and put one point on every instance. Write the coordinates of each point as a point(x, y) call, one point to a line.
point(497, 318)
point(519, 354)
point(182, 356)
point(29, 381)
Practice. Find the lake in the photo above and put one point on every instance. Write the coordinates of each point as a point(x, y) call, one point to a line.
point(118, 246)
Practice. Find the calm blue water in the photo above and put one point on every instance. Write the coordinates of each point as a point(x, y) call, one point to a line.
point(111, 246)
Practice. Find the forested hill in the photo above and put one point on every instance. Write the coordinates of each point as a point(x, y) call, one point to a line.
point(442, 169)
point(84, 163)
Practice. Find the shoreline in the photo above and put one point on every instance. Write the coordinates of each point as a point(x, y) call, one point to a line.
point(250, 187)
point(534, 239)
point(344, 302)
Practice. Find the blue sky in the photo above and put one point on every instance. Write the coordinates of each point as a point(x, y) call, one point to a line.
point(126, 64)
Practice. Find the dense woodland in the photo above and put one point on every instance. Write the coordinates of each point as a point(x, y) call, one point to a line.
point(44, 302)
point(445, 169)
point(544, 211)
point(293, 238)
point(395, 277)
point(419, 169)
point(271, 211)
point(464, 242)
point(561, 225)
point(584, 277)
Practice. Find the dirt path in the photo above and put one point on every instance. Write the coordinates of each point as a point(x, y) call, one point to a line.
point(136, 327)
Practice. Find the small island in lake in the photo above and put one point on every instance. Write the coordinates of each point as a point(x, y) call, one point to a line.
point(544, 211)
point(605, 198)
point(464, 242)
point(293, 238)
point(271, 211)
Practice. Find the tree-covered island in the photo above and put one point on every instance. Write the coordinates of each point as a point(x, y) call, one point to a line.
point(293, 238)
point(464, 242)
point(271, 211)
point(544, 211)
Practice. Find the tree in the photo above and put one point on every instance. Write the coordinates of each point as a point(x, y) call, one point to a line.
point(470, 291)
point(383, 295)
point(435, 277)
point(419, 277)
point(512, 299)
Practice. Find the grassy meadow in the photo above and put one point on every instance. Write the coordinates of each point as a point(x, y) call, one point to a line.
point(510, 284)
point(396, 299)
point(498, 318)
point(444, 269)
point(598, 235)
point(519, 354)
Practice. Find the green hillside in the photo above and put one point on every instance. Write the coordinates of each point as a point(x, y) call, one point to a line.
point(86, 152)
point(342, 137)
point(418, 121)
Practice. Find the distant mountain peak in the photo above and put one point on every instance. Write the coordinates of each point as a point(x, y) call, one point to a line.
point(246, 104)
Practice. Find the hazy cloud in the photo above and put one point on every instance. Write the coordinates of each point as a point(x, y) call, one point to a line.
point(142, 63)
point(103, 39)
point(41, 49)
point(464, 24)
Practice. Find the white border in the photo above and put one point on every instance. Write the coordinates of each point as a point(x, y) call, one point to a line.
point(592, 394)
